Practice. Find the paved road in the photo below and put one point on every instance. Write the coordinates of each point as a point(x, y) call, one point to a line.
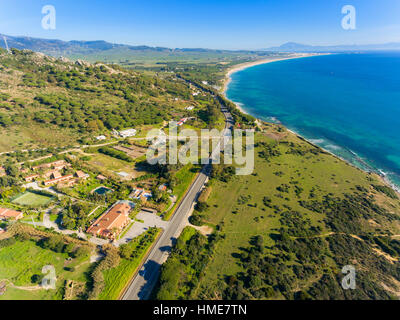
point(144, 282)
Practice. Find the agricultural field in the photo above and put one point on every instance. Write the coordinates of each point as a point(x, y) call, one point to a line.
point(32, 199)
point(108, 164)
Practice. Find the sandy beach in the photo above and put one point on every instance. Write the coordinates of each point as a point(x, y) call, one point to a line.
point(246, 65)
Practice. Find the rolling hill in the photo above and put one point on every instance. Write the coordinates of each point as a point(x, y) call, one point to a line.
point(109, 52)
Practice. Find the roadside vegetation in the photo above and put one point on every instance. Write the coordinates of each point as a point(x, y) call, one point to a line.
point(112, 274)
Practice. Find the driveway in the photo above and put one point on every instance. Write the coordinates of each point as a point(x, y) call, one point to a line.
point(149, 220)
point(47, 223)
point(35, 186)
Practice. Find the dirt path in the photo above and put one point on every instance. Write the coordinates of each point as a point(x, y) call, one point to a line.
point(26, 288)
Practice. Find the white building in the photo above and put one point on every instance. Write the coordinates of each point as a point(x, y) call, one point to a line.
point(123, 174)
point(127, 133)
point(101, 138)
point(189, 108)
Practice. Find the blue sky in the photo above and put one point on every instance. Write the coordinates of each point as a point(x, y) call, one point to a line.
point(223, 24)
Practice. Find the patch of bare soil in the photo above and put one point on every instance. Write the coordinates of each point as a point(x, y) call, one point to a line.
point(132, 151)
point(385, 255)
point(394, 289)
point(204, 230)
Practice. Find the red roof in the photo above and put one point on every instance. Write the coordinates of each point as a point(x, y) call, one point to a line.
point(115, 218)
point(81, 174)
point(63, 178)
point(10, 214)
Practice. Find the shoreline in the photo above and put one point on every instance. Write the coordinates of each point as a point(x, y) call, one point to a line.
point(242, 66)
point(239, 67)
point(383, 178)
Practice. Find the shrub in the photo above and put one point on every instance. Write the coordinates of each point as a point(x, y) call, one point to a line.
point(115, 154)
point(196, 220)
point(385, 190)
point(7, 242)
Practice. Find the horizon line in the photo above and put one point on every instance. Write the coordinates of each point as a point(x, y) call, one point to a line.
point(204, 48)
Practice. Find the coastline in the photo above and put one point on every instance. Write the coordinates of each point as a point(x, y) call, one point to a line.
point(246, 65)
point(250, 64)
point(381, 177)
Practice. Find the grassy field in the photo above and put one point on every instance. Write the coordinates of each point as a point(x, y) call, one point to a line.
point(324, 172)
point(117, 278)
point(262, 203)
point(105, 163)
point(21, 261)
point(32, 199)
point(144, 130)
point(130, 58)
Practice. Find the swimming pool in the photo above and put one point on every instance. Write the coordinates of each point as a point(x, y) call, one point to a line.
point(102, 190)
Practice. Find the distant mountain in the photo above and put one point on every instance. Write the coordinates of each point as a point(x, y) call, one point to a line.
point(66, 48)
point(298, 47)
point(76, 48)
point(121, 53)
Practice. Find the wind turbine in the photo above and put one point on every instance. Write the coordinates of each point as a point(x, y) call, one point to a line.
point(5, 41)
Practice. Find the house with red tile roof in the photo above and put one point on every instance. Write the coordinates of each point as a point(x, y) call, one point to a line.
point(67, 183)
point(57, 165)
point(111, 223)
point(101, 177)
point(81, 175)
point(9, 214)
point(52, 174)
point(57, 180)
point(31, 177)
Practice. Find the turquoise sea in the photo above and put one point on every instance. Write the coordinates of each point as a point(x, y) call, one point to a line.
point(349, 104)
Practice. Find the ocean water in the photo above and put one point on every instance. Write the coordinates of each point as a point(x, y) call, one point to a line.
point(349, 104)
